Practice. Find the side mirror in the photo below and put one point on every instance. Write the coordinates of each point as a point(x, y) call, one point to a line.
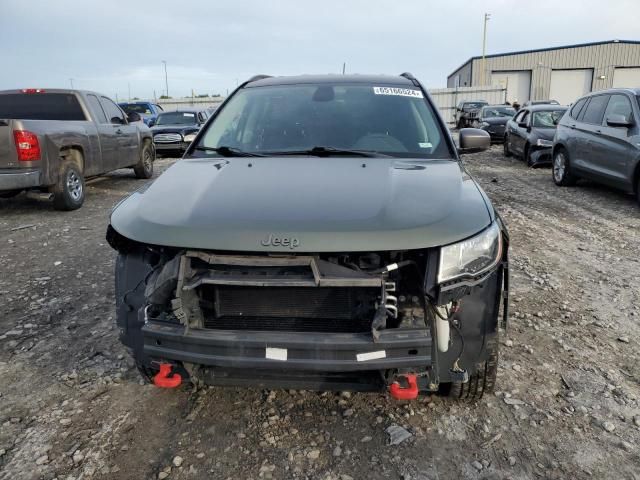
point(134, 117)
point(117, 120)
point(473, 140)
point(522, 124)
point(152, 122)
point(618, 120)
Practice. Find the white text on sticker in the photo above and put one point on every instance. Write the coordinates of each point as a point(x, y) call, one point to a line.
point(276, 353)
point(403, 92)
point(363, 357)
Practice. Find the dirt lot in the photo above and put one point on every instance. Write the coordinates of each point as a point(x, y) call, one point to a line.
point(567, 406)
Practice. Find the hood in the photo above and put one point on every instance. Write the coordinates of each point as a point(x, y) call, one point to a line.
point(497, 120)
point(320, 204)
point(183, 129)
point(544, 133)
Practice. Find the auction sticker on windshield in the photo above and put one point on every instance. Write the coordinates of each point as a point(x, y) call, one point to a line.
point(403, 92)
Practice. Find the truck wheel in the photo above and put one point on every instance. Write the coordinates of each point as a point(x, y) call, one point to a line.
point(460, 124)
point(144, 168)
point(68, 193)
point(483, 380)
point(561, 170)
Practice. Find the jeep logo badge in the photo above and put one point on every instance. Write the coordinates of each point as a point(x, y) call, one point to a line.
point(274, 241)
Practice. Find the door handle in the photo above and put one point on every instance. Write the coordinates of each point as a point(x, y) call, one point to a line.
point(572, 126)
point(599, 132)
point(119, 132)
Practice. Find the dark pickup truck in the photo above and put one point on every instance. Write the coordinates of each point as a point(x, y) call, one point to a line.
point(51, 140)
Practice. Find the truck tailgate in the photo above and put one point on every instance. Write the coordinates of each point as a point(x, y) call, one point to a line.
point(8, 154)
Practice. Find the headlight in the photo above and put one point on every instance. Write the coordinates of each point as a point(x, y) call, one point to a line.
point(484, 124)
point(190, 137)
point(471, 257)
point(544, 143)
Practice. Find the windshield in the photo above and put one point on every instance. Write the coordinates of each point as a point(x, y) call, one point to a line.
point(547, 118)
point(141, 108)
point(177, 118)
point(495, 112)
point(297, 118)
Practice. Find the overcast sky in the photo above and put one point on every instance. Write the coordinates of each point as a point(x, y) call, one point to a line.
point(109, 45)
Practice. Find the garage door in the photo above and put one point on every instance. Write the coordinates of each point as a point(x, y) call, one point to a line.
point(517, 83)
point(568, 85)
point(626, 77)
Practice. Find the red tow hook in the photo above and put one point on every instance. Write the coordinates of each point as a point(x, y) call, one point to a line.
point(408, 393)
point(164, 379)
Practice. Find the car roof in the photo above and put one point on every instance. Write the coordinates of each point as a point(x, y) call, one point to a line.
point(545, 107)
point(331, 79)
point(633, 91)
point(497, 105)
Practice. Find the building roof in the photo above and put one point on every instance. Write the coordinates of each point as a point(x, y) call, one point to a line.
point(561, 47)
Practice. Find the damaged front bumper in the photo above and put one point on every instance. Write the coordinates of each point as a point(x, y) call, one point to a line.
point(308, 351)
point(540, 156)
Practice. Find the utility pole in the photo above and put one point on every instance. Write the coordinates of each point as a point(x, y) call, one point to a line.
point(166, 80)
point(487, 16)
point(71, 82)
point(344, 66)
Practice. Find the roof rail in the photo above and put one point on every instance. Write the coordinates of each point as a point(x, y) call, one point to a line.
point(409, 76)
point(255, 78)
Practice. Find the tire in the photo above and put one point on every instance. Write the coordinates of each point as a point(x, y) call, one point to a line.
point(561, 170)
point(460, 124)
point(505, 146)
point(9, 193)
point(144, 167)
point(482, 381)
point(68, 192)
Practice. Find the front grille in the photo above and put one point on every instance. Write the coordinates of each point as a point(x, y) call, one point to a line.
point(167, 138)
point(309, 309)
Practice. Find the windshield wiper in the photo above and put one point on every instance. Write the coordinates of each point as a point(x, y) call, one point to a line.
point(328, 151)
point(228, 151)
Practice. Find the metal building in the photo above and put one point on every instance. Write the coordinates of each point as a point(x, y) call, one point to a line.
point(559, 73)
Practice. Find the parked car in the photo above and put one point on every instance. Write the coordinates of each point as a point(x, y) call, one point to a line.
point(326, 236)
point(173, 131)
point(147, 110)
point(529, 103)
point(529, 134)
point(52, 140)
point(493, 119)
point(599, 139)
point(466, 112)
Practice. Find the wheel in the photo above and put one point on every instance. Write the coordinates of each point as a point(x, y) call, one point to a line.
point(481, 381)
point(144, 168)
point(9, 193)
point(460, 124)
point(68, 192)
point(561, 170)
point(505, 146)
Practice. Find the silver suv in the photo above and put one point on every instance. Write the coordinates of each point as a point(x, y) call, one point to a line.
point(599, 139)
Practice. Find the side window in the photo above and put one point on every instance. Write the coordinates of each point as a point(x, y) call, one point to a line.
point(575, 110)
point(618, 105)
point(595, 110)
point(114, 114)
point(96, 109)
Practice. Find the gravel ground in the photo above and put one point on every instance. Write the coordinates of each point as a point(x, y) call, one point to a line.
point(567, 406)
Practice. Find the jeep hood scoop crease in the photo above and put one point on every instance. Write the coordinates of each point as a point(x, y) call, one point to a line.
point(319, 204)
